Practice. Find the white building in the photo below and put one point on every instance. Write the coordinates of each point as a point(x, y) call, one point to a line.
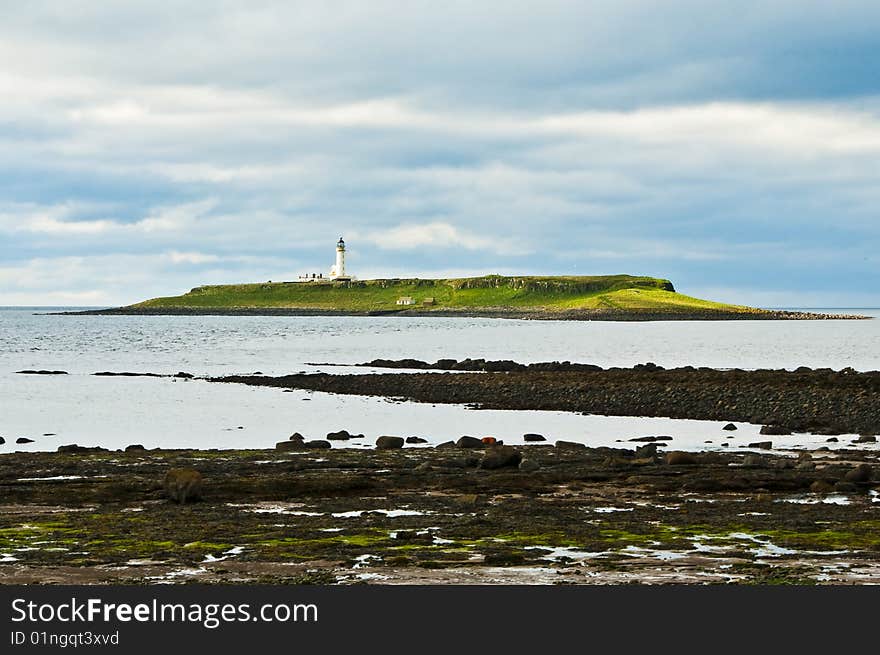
point(338, 271)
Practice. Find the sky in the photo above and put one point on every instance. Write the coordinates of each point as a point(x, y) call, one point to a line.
point(150, 147)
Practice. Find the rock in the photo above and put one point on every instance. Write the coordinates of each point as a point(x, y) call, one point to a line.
point(134, 447)
point(651, 439)
point(845, 487)
point(469, 442)
point(342, 435)
point(832, 440)
point(774, 430)
point(74, 448)
point(289, 445)
point(531, 436)
point(753, 461)
point(316, 444)
point(42, 372)
point(648, 450)
point(183, 375)
point(24, 440)
point(806, 465)
point(183, 485)
point(296, 436)
point(865, 438)
point(763, 445)
point(2, 441)
point(416, 440)
point(821, 487)
point(497, 457)
point(528, 465)
point(489, 441)
point(570, 445)
point(729, 427)
point(445, 444)
point(681, 458)
point(389, 443)
point(861, 473)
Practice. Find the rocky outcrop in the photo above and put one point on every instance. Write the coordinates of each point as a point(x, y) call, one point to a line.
point(183, 485)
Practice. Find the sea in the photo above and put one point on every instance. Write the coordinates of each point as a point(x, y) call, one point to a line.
point(114, 412)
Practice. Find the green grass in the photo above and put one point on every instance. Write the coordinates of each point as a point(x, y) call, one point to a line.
point(623, 293)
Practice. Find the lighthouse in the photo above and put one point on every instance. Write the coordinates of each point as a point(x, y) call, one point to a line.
point(338, 271)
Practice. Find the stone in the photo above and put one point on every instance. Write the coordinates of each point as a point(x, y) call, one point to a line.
point(531, 436)
point(528, 465)
point(316, 444)
point(296, 436)
point(570, 445)
point(845, 487)
point(821, 487)
point(681, 458)
point(865, 438)
point(648, 450)
point(774, 430)
point(730, 427)
point(861, 473)
point(184, 375)
point(74, 448)
point(2, 441)
point(445, 444)
point(498, 457)
point(763, 445)
point(469, 442)
point(753, 461)
point(24, 440)
point(832, 440)
point(389, 443)
point(342, 435)
point(183, 485)
point(289, 445)
point(651, 439)
point(134, 447)
point(416, 440)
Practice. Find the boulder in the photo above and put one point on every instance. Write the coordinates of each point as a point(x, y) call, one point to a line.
point(416, 440)
point(681, 458)
point(570, 445)
point(865, 438)
point(497, 457)
point(774, 430)
point(289, 445)
point(730, 427)
point(531, 436)
point(24, 440)
point(821, 487)
point(183, 485)
point(134, 447)
point(651, 439)
point(445, 444)
point(648, 450)
point(861, 473)
point(528, 465)
point(74, 448)
point(763, 445)
point(832, 440)
point(342, 435)
point(753, 461)
point(317, 444)
point(184, 375)
point(469, 442)
point(2, 441)
point(389, 443)
point(296, 436)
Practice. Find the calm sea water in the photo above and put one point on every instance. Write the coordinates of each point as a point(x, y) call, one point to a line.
point(114, 412)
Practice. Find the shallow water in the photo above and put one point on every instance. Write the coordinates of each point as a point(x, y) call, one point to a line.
point(114, 412)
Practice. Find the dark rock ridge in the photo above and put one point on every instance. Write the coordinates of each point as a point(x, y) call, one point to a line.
point(804, 400)
point(41, 372)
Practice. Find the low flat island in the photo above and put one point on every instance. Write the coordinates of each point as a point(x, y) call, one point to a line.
point(609, 297)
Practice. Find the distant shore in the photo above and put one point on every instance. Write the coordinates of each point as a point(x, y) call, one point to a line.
point(503, 313)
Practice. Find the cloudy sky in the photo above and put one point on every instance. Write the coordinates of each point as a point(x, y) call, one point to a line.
point(150, 147)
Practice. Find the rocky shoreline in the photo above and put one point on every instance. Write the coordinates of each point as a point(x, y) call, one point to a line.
point(819, 401)
point(490, 312)
point(573, 515)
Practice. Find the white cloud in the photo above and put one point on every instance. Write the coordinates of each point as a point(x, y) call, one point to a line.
point(439, 235)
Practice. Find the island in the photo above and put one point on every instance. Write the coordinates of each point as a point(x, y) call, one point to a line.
point(606, 297)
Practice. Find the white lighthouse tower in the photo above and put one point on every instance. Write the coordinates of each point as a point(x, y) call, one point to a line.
point(338, 271)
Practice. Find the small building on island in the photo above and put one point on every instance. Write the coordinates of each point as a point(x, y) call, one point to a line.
point(406, 300)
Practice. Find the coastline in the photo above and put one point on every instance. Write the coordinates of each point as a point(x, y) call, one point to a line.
point(500, 313)
point(575, 515)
